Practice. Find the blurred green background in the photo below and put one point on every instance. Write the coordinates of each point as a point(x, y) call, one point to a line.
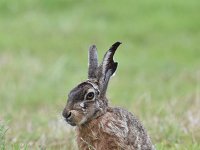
point(43, 54)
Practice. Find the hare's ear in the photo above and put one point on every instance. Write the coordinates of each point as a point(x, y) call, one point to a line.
point(107, 69)
point(93, 62)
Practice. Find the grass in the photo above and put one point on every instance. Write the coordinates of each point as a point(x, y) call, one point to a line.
point(43, 54)
point(2, 137)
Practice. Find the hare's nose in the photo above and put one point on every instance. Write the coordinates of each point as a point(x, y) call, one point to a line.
point(66, 114)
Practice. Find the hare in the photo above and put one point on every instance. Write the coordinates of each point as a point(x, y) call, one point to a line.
point(98, 125)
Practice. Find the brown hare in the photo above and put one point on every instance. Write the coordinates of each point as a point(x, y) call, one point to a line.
point(98, 125)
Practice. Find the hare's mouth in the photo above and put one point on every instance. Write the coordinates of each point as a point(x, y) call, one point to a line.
point(70, 122)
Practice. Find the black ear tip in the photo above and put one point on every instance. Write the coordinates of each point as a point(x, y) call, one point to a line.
point(119, 42)
point(116, 44)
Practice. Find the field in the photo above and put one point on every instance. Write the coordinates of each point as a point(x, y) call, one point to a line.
point(43, 55)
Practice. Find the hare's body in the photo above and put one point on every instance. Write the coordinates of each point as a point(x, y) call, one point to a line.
point(99, 126)
point(115, 130)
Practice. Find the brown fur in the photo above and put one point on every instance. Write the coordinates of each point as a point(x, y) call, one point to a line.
point(113, 130)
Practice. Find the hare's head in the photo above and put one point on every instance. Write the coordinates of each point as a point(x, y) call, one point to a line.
point(87, 100)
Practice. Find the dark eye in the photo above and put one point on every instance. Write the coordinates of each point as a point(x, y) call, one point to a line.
point(90, 96)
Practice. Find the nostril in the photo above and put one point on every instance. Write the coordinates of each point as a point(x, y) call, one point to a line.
point(66, 113)
point(69, 115)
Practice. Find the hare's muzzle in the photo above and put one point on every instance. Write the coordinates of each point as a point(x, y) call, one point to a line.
point(68, 117)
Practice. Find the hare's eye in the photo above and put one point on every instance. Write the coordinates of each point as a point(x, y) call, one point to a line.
point(90, 96)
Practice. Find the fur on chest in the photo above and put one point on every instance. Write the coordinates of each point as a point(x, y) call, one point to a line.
point(106, 132)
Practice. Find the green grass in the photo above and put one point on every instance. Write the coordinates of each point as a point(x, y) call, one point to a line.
point(2, 137)
point(43, 54)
